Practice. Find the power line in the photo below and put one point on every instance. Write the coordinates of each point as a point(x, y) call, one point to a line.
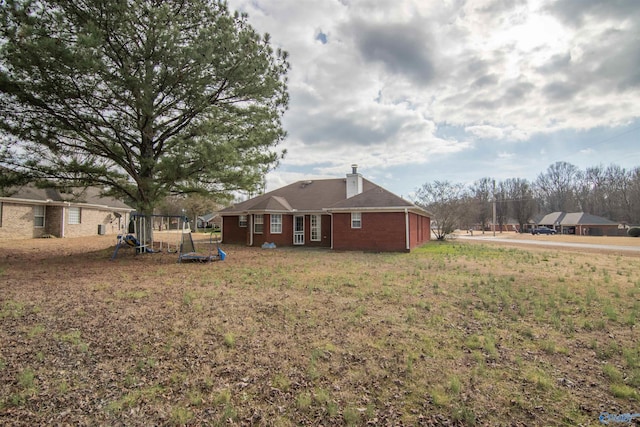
point(616, 136)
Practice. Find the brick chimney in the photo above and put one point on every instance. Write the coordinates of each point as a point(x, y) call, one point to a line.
point(354, 182)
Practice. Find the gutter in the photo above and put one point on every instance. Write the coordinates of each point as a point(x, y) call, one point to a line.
point(331, 216)
point(406, 226)
point(250, 225)
point(414, 209)
point(64, 218)
point(50, 202)
point(31, 201)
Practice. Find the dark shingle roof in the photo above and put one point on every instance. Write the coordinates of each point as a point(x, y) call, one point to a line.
point(320, 195)
point(574, 218)
point(273, 203)
point(552, 218)
point(376, 197)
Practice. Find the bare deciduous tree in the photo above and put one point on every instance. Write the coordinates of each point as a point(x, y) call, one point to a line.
point(446, 200)
point(557, 187)
point(521, 205)
point(482, 198)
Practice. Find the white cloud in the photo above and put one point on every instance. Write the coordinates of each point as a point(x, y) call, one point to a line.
point(386, 77)
point(486, 132)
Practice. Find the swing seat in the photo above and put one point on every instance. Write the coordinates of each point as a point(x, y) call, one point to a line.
point(126, 241)
point(131, 240)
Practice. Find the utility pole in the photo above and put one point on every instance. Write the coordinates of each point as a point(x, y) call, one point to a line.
point(494, 208)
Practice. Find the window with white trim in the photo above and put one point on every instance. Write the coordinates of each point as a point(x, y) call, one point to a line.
point(74, 215)
point(356, 220)
point(258, 223)
point(38, 216)
point(276, 223)
point(316, 228)
point(242, 221)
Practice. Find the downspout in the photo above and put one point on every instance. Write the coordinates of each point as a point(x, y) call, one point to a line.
point(406, 226)
point(331, 216)
point(64, 211)
point(251, 230)
point(64, 215)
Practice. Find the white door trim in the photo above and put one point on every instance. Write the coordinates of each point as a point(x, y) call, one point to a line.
point(298, 235)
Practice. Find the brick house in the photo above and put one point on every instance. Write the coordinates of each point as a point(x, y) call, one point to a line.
point(31, 212)
point(581, 223)
point(349, 213)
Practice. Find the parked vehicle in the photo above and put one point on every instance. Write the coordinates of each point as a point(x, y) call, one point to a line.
point(543, 230)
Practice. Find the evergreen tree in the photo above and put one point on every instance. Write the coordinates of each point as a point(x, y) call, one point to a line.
point(142, 97)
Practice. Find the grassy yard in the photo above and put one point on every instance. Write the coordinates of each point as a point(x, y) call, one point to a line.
point(453, 333)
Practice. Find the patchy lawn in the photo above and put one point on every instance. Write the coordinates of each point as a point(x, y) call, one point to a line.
point(453, 333)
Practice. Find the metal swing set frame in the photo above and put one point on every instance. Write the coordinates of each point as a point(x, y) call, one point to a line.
point(138, 238)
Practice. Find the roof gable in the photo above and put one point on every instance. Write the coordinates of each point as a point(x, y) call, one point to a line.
point(552, 218)
point(208, 217)
point(273, 203)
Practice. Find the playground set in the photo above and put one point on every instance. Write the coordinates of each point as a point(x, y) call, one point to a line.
point(171, 228)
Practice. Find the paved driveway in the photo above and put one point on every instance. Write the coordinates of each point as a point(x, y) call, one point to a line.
point(532, 241)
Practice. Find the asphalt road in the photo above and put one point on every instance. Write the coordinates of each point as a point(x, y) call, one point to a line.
point(551, 243)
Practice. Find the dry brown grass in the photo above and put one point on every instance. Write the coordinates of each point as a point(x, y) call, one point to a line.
point(453, 333)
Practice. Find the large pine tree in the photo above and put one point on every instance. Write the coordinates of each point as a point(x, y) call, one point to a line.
point(141, 97)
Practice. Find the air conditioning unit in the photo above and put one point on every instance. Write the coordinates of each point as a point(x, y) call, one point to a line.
point(102, 229)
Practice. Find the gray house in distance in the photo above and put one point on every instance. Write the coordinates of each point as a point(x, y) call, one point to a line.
point(581, 223)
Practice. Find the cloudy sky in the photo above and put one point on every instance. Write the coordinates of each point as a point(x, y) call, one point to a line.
point(415, 91)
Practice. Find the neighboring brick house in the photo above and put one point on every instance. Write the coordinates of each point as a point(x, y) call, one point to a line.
point(581, 223)
point(342, 214)
point(212, 220)
point(30, 212)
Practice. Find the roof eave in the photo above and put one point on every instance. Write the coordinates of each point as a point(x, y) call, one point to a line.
point(62, 203)
point(256, 211)
point(413, 209)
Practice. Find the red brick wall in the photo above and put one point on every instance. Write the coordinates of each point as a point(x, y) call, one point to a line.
point(232, 233)
point(419, 230)
point(280, 239)
point(384, 231)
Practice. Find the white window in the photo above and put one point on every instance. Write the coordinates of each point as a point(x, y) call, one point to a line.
point(276, 223)
point(74, 215)
point(356, 220)
point(258, 223)
point(315, 228)
point(242, 221)
point(38, 216)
